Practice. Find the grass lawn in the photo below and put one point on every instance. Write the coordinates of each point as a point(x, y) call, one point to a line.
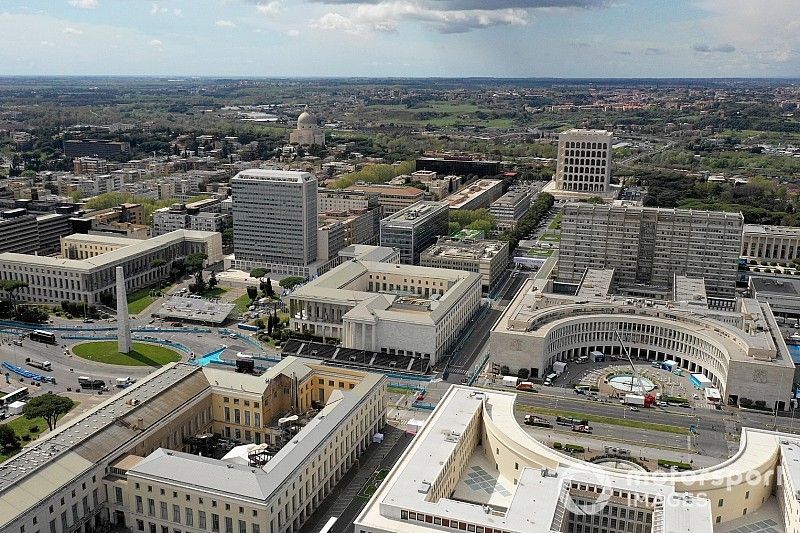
point(651, 426)
point(216, 292)
point(552, 237)
point(22, 427)
point(142, 354)
point(372, 484)
point(139, 300)
point(556, 222)
point(539, 253)
point(241, 303)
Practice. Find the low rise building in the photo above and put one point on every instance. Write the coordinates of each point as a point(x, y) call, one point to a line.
point(487, 258)
point(472, 467)
point(511, 207)
point(392, 198)
point(770, 243)
point(414, 228)
point(476, 195)
point(387, 307)
point(736, 344)
point(140, 460)
point(52, 280)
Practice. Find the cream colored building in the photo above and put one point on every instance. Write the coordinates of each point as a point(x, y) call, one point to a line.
point(386, 307)
point(778, 244)
point(476, 195)
point(473, 468)
point(127, 462)
point(392, 198)
point(308, 132)
point(87, 266)
point(584, 161)
point(740, 348)
point(487, 258)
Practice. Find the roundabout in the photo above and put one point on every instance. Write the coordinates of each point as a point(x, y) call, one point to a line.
point(142, 354)
point(630, 384)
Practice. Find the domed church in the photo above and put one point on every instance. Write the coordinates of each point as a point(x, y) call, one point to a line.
point(308, 133)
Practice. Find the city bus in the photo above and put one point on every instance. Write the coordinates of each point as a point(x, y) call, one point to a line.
point(12, 397)
point(44, 337)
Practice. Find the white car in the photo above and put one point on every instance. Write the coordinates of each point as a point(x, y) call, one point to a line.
point(634, 408)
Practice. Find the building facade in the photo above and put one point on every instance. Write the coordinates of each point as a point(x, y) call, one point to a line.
point(487, 258)
point(511, 207)
point(770, 243)
point(308, 132)
point(414, 228)
point(274, 220)
point(476, 195)
point(584, 161)
point(387, 307)
point(137, 462)
point(52, 280)
point(648, 246)
point(392, 198)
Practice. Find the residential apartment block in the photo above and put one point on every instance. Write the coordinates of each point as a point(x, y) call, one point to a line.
point(392, 198)
point(648, 246)
point(511, 207)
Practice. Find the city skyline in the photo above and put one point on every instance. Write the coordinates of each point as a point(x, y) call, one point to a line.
point(402, 38)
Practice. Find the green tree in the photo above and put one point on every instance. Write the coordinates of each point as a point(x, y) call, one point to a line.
point(9, 441)
point(270, 292)
point(212, 280)
point(258, 273)
point(12, 287)
point(260, 324)
point(48, 406)
point(194, 264)
point(252, 292)
point(291, 282)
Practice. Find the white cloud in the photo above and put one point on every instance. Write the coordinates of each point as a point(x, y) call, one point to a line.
point(156, 9)
point(177, 12)
point(293, 33)
point(84, 4)
point(224, 24)
point(155, 43)
point(47, 43)
point(269, 8)
point(385, 16)
point(72, 31)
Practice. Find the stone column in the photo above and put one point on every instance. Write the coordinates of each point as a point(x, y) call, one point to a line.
point(123, 321)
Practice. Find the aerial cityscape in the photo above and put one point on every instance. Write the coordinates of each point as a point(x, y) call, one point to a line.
point(399, 266)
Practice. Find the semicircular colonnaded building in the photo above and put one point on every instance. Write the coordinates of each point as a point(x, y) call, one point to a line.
point(736, 344)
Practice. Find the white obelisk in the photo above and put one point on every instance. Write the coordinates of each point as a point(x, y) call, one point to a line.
point(123, 322)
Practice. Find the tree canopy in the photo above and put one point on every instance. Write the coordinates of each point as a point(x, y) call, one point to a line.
point(48, 406)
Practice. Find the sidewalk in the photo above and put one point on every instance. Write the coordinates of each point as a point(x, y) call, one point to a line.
point(342, 502)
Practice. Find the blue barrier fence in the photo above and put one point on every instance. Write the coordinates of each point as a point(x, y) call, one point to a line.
point(25, 373)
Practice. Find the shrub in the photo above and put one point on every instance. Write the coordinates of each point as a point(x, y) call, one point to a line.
point(26, 437)
point(760, 404)
point(677, 464)
point(504, 370)
point(523, 373)
point(745, 402)
point(557, 445)
point(34, 429)
point(574, 448)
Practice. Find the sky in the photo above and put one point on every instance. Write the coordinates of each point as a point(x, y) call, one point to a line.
point(402, 38)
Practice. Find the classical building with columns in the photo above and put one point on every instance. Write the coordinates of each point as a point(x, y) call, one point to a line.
point(387, 307)
point(770, 243)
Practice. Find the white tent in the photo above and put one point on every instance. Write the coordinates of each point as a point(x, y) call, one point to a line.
point(414, 425)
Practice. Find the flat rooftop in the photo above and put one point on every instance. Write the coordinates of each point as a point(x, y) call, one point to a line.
point(472, 191)
point(414, 214)
point(447, 247)
point(393, 190)
point(777, 231)
point(195, 310)
point(784, 287)
point(289, 176)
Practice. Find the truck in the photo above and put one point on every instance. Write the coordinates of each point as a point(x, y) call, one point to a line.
point(90, 383)
point(41, 365)
point(559, 367)
point(526, 386)
point(582, 428)
point(510, 381)
point(570, 421)
point(633, 399)
point(538, 421)
point(124, 382)
point(597, 356)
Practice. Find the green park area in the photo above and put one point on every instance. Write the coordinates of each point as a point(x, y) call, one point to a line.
point(372, 484)
point(139, 300)
point(141, 355)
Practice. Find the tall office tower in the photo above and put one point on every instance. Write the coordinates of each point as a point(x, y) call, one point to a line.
point(414, 228)
point(275, 220)
point(648, 246)
point(584, 161)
